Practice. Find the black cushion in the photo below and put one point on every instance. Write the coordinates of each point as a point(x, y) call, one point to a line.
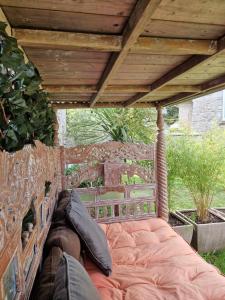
point(90, 233)
point(72, 282)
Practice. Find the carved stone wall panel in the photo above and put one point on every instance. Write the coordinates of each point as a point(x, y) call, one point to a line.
point(23, 175)
point(108, 151)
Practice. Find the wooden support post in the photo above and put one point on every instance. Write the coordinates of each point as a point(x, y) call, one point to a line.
point(163, 211)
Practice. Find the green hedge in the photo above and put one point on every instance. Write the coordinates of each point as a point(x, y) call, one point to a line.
point(25, 114)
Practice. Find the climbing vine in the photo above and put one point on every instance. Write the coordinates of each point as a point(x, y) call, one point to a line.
point(25, 114)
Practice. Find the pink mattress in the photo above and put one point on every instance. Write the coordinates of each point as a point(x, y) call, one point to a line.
point(150, 261)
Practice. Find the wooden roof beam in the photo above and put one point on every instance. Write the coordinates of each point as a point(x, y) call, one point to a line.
point(111, 43)
point(162, 81)
point(118, 89)
point(215, 83)
point(135, 26)
point(98, 105)
point(209, 87)
point(194, 61)
point(206, 88)
point(176, 99)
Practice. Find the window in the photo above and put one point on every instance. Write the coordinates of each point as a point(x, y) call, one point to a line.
point(223, 111)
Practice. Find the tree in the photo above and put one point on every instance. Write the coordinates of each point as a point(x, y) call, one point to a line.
point(171, 115)
point(99, 125)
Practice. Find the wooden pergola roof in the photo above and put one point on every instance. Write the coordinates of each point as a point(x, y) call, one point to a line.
point(114, 53)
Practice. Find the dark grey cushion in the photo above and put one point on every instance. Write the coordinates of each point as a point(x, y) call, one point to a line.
point(90, 233)
point(72, 282)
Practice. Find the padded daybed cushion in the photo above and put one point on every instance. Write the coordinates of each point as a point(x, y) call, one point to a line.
point(150, 261)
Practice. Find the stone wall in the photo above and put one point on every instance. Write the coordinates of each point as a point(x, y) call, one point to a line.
point(61, 116)
point(207, 111)
point(185, 114)
point(202, 113)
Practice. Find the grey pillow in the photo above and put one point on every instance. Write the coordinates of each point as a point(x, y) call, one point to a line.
point(90, 233)
point(72, 282)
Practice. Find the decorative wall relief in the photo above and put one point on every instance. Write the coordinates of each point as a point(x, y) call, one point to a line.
point(23, 177)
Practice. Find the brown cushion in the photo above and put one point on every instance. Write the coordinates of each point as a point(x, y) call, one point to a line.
point(63, 194)
point(47, 276)
point(66, 239)
point(59, 217)
point(63, 203)
point(72, 282)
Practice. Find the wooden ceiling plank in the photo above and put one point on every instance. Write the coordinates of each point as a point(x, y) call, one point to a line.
point(189, 30)
point(102, 7)
point(46, 39)
point(64, 21)
point(135, 26)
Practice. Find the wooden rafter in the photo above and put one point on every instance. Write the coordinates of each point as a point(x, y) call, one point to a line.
point(111, 43)
point(117, 89)
point(176, 99)
point(209, 87)
point(215, 83)
point(135, 26)
point(194, 61)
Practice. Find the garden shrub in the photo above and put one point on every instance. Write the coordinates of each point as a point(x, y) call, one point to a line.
point(200, 164)
point(25, 114)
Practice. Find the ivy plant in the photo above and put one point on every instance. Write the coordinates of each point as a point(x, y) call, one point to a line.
point(25, 114)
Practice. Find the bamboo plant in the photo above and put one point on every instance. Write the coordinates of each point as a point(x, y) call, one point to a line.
point(199, 163)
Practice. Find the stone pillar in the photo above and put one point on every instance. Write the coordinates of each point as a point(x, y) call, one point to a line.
point(161, 168)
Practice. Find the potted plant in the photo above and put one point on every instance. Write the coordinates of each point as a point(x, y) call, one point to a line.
point(179, 224)
point(200, 166)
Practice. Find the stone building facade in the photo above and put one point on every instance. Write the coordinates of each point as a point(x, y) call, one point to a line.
point(61, 117)
point(202, 113)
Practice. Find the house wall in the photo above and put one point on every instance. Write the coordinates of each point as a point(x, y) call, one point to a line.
point(185, 114)
point(207, 111)
point(202, 113)
point(61, 116)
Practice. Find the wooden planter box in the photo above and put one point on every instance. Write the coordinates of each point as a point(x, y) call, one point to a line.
point(207, 237)
point(185, 230)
